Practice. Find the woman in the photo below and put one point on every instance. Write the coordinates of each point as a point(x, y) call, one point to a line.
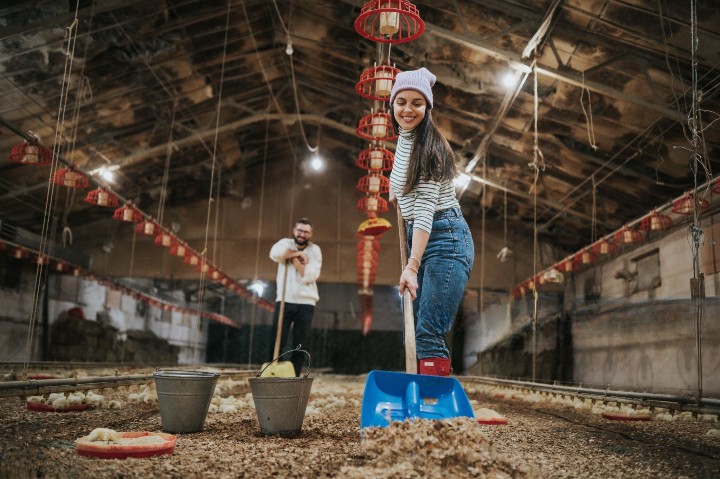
point(439, 240)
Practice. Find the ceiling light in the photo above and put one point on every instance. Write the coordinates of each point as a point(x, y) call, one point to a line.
point(108, 175)
point(462, 180)
point(508, 80)
point(289, 49)
point(317, 163)
point(257, 287)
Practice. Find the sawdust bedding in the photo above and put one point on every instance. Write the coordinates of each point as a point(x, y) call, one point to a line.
point(539, 441)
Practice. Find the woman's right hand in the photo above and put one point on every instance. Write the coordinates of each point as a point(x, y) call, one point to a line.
point(408, 280)
point(392, 198)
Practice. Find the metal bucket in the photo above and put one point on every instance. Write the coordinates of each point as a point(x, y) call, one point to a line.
point(184, 398)
point(280, 404)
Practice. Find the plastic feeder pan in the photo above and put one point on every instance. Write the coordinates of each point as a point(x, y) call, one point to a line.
point(41, 376)
point(616, 416)
point(493, 421)
point(40, 407)
point(106, 450)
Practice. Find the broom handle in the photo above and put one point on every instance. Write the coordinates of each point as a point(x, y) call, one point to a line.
point(410, 353)
point(278, 335)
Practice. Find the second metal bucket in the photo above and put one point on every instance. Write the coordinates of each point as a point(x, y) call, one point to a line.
point(184, 398)
point(280, 404)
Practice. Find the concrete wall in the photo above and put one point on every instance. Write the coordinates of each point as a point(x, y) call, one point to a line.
point(622, 334)
point(97, 303)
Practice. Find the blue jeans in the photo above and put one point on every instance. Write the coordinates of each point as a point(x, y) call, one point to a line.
point(442, 277)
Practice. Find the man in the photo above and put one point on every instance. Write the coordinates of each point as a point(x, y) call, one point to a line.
point(304, 260)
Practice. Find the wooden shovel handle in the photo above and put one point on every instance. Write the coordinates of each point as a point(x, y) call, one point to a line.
point(410, 353)
point(278, 335)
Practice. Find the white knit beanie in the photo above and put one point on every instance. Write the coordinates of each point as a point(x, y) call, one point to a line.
point(419, 80)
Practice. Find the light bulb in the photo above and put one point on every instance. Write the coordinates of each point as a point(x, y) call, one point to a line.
point(508, 80)
point(108, 175)
point(462, 180)
point(316, 163)
point(289, 49)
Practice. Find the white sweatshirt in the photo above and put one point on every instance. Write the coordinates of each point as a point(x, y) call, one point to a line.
point(300, 289)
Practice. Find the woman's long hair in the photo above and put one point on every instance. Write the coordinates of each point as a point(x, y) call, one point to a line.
point(431, 157)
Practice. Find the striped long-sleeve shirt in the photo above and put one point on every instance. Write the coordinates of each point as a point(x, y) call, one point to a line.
point(427, 197)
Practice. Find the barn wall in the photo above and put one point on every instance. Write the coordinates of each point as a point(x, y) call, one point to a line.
point(627, 329)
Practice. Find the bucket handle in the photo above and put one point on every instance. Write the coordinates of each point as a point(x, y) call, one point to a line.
point(307, 372)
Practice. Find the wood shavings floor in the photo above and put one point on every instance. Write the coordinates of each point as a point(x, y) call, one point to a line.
point(540, 440)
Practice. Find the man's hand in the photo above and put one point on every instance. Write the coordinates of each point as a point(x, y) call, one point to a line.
point(292, 254)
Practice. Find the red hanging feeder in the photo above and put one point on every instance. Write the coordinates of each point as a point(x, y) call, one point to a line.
point(374, 183)
point(552, 276)
point(656, 222)
point(376, 127)
point(127, 213)
point(374, 226)
point(375, 158)
point(584, 258)
point(628, 235)
point(389, 21)
point(146, 227)
point(686, 204)
point(60, 267)
point(164, 239)
point(368, 243)
point(191, 258)
point(366, 259)
point(70, 178)
point(101, 197)
point(178, 249)
point(604, 247)
point(19, 253)
point(372, 205)
point(30, 154)
point(204, 267)
point(566, 265)
point(376, 82)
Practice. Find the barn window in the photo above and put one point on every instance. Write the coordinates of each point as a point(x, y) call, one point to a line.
point(648, 269)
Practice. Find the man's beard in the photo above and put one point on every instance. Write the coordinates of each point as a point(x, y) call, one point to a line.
point(300, 241)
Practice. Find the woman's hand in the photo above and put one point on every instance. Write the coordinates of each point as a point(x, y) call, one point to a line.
point(408, 280)
point(392, 198)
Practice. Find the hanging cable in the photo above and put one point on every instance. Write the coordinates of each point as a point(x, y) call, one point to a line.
point(71, 36)
point(588, 118)
point(204, 255)
point(697, 283)
point(166, 170)
point(257, 242)
point(538, 163)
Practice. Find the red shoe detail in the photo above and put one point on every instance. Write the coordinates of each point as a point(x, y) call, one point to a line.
point(434, 367)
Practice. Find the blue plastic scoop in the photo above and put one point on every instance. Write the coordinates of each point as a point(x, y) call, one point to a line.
point(392, 396)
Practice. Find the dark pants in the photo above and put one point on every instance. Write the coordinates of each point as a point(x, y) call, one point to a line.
point(299, 317)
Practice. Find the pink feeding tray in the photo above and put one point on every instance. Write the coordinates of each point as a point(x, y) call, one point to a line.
point(40, 407)
point(493, 421)
point(121, 451)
